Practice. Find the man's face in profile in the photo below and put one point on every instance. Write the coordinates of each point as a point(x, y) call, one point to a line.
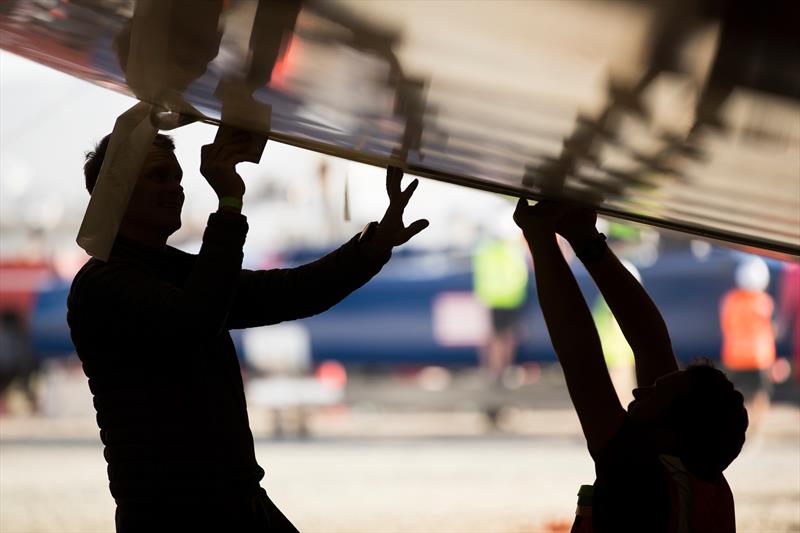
point(157, 200)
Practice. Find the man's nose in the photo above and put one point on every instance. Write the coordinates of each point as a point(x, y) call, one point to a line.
point(174, 191)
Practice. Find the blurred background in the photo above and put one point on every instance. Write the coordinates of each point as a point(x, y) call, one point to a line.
point(403, 408)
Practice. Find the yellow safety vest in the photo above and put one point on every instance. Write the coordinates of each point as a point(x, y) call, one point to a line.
point(500, 275)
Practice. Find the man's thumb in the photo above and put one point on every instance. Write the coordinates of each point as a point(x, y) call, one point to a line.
point(413, 228)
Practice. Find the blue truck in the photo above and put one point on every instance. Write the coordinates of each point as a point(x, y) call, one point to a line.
point(395, 320)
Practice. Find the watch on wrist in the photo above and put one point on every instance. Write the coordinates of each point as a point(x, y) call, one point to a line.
point(368, 231)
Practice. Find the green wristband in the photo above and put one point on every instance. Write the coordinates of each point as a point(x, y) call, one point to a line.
point(230, 201)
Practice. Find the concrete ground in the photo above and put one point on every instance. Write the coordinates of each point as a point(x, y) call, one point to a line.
point(373, 471)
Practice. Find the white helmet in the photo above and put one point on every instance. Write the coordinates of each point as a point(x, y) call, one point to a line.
point(752, 274)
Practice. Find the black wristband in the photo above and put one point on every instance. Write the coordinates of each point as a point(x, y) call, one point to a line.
point(592, 249)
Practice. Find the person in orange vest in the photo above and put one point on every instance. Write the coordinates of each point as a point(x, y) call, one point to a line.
point(748, 338)
point(660, 463)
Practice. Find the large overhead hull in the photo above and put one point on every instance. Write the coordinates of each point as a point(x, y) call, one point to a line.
point(674, 114)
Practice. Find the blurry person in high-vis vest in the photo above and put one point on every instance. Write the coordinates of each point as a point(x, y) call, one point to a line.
point(500, 280)
point(616, 350)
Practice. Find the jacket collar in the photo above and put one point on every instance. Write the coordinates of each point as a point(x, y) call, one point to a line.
point(131, 250)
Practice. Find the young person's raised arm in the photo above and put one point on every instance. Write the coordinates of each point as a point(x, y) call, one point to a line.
point(637, 315)
point(571, 328)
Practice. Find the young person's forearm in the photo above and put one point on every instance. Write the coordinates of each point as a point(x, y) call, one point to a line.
point(638, 317)
point(576, 342)
point(566, 314)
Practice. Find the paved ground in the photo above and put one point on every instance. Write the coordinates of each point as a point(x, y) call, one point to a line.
point(374, 472)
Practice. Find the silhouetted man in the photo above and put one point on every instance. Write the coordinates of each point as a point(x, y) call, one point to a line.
point(659, 464)
point(151, 326)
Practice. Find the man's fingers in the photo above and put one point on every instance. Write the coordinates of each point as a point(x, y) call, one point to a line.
point(521, 210)
point(397, 172)
point(394, 176)
point(410, 190)
point(413, 228)
point(229, 152)
point(406, 195)
point(236, 148)
point(548, 209)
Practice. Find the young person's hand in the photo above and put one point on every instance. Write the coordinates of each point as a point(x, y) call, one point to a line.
point(218, 166)
point(577, 224)
point(391, 231)
point(540, 218)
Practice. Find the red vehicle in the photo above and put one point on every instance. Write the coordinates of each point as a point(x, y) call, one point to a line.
point(20, 280)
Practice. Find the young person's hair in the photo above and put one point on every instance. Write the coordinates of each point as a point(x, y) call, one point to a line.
point(711, 421)
point(94, 158)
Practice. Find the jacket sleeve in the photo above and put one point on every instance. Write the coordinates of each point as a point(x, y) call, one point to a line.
point(270, 296)
point(134, 297)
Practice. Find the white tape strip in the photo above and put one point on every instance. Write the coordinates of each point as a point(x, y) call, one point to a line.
point(130, 142)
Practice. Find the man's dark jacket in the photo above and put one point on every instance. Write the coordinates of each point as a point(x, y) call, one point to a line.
point(152, 330)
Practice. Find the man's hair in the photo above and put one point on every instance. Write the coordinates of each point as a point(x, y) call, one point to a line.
point(94, 158)
point(711, 421)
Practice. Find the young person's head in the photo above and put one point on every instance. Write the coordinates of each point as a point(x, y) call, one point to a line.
point(695, 414)
point(154, 209)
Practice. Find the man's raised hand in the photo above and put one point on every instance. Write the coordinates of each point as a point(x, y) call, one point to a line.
point(391, 231)
point(218, 164)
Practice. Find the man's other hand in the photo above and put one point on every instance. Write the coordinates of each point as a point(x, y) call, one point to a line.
point(391, 231)
point(218, 165)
